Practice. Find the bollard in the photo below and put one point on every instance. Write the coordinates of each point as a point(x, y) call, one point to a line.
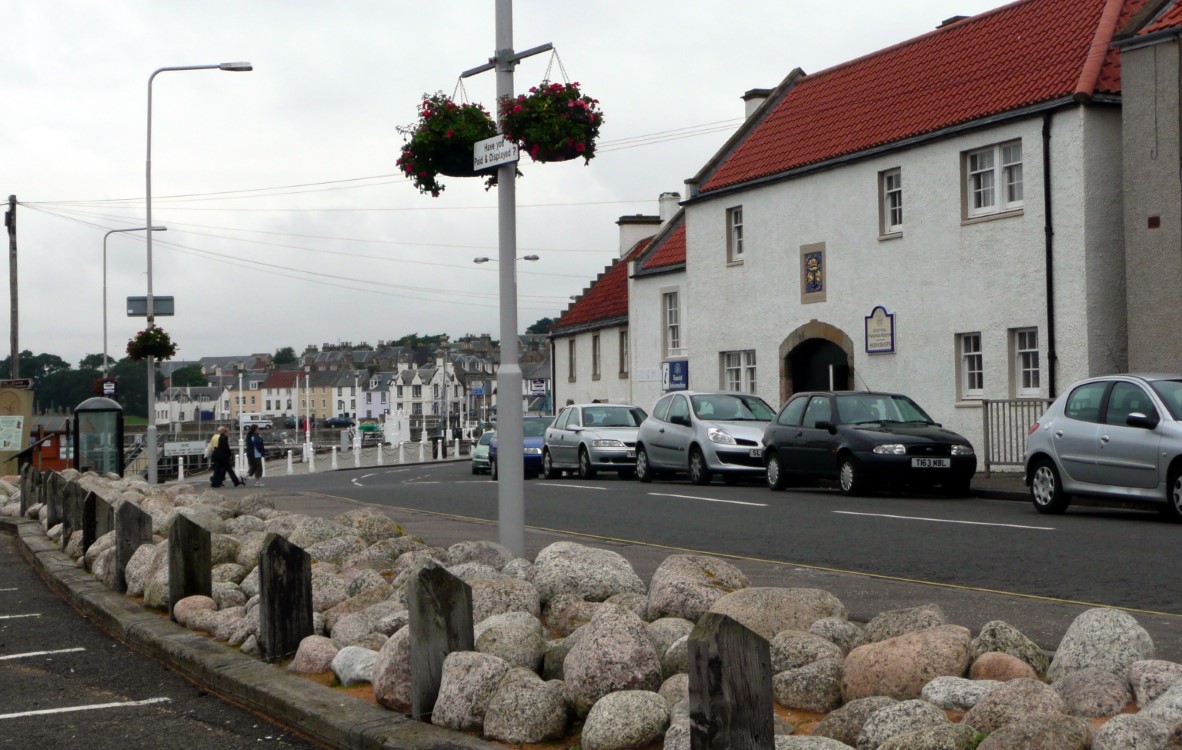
point(457, 451)
point(379, 454)
point(180, 468)
point(311, 461)
point(285, 598)
point(289, 469)
point(440, 622)
point(356, 456)
point(334, 458)
point(422, 452)
point(133, 527)
point(189, 569)
point(401, 452)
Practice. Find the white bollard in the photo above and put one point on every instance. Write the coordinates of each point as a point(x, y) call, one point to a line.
point(379, 454)
point(422, 452)
point(457, 453)
point(356, 456)
point(311, 461)
point(180, 468)
point(334, 458)
point(289, 469)
point(401, 452)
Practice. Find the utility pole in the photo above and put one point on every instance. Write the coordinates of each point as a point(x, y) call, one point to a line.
point(10, 222)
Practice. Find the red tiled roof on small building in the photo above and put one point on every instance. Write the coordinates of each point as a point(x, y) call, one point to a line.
point(606, 298)
point(1022, 54)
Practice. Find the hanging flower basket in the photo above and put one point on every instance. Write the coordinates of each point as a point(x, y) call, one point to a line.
point(441, 142)
point(554, 122)
point(151, 342)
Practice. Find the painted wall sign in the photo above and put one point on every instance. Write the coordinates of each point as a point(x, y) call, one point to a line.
point(880, 331)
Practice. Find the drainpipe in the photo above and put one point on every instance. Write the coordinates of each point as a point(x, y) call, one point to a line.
point(1052, 356)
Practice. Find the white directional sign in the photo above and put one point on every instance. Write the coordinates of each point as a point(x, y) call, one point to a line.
point(492, 152)
point(185, 448)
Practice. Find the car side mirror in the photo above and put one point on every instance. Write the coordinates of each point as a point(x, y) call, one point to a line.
point(678, 419)
point(826, 425)
point(1137, 419)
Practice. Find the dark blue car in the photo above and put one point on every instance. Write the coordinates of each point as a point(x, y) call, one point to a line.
point(534, 429)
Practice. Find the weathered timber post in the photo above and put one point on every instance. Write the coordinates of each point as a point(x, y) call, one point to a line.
point(71, 511)
point(133, 527)
point(29, 477)
point(104, 517)
point(90, 520)
point(53, 500)
point(189, 569)
point(285, 597)
point(730, 686)
point(440, 607)
point(43, 488)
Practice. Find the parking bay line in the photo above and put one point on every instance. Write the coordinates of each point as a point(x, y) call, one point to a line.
point(946, 520)
point(17, 617)
point(93, 707)
point(575, 486)
point(28, 654)
point(708, 499)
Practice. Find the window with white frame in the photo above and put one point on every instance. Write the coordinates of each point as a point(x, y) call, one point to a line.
point(738, 371)
point(993, 179)
point(972, 366)
point(891, 187)
point(624, 352)
point(671, 318)
point(416, 391)
point(1027, 380)
point(570, 360)
point(595, 356)
point(734, 235)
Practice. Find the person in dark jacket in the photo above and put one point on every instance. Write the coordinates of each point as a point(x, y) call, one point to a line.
point(222, 461)
point(254, 454)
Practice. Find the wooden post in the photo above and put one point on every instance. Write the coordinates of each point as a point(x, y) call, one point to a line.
point(440, 607)
point(53, 500)
point(89, 520)
point(71, 510)
point(104, 517)
point(189, 570)
point(133, 527)
point(29, 489)
point(285, 597)
point(730, 686)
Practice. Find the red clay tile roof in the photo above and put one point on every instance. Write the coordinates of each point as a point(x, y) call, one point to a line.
point(1171, 18)
point(1021, 54)
point(670, 251)
point(607, 297)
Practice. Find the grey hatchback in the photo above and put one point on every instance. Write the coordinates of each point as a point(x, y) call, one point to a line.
point(1117, 436)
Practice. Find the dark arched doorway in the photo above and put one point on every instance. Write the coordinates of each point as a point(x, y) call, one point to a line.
point(810, 364)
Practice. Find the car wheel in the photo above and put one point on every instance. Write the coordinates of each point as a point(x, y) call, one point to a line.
point(492, 469)
point(776, 478)
point(1173, 509)
point(849, 476)
point(644, 472)
point(698, 470)
point(1046, 490)
point(548, 469)
point(586, 470)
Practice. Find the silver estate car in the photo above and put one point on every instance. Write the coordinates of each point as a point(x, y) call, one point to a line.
point(1117, 436)
point(703, 434)
point(480, 461)
point(590, 438)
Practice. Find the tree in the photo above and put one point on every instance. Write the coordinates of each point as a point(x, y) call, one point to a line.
point(65, 389)
point(35, 367)
point(132, 391)
point(285, 356)
point(91, 362)
point(543, 325)
point(189, 375)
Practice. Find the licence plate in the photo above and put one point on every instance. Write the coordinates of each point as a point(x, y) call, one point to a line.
point(757, 452)
point(931, 463)
point(631, 454)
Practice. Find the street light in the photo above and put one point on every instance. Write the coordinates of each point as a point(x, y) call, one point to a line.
point(151, 431)
point(106, 359)
point(483, 259)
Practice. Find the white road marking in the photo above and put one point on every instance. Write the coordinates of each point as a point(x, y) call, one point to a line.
point(366, 476)
point(416, 481)
point(708, 499)
point(575, 486)
point(946, 520)
point(94, 707)
point(17, 617)
point(7, 589)
point(41, 653)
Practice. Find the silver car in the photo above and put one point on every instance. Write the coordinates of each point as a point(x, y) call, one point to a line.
point(703, 434)
point(592, 437)
point(480, 461)
point(1118, 436)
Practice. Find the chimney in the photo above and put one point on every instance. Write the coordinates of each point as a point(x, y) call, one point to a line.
point(635, 228)
point(950, 21)
point(669, 205)
point(753, 98)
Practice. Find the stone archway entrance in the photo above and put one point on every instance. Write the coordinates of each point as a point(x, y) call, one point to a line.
point(807, 354)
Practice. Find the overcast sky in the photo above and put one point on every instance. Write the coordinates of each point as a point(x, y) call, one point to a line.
point(288, 222)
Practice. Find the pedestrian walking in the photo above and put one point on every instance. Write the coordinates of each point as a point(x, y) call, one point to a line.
point(222, 460)
point(254, 454)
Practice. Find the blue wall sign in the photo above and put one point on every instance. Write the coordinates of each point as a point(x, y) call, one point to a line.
point(675, 375)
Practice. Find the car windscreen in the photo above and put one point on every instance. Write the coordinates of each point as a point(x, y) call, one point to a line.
point(486, 438)
point(535, 427)
point(727, 407)
point(865, 408)
point(1170, 392)
point(612, 416)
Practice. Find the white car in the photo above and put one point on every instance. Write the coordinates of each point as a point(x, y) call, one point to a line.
point(592, 437)
point(703, 434)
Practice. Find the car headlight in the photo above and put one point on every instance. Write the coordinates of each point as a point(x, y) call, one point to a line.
point(719, 435)
point(533, 451)
point(962, 450)
point(893, 449)
point(607, 444)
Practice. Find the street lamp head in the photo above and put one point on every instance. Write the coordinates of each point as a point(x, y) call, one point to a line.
point(480, 260)
point(530, 257)
point(236, 67)
point(158, 228)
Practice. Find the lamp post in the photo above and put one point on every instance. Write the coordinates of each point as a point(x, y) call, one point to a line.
point(241, 408)
point(151, 432)
point(106, 359)
point(307, 412)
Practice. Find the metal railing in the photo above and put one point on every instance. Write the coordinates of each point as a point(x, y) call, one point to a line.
point(1005, 424)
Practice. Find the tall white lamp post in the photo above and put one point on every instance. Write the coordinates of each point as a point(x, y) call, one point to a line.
point(151, 432)
point(106, 359)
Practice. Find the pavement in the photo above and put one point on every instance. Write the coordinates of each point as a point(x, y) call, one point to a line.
point(341, 721)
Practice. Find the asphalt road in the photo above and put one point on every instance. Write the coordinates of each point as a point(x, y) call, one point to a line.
point(65, 683)
point(1118, 558)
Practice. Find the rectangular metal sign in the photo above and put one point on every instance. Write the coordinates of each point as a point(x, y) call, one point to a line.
point(185, 448)
point(137, 307)
point(22, 383)
point(492, 152)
